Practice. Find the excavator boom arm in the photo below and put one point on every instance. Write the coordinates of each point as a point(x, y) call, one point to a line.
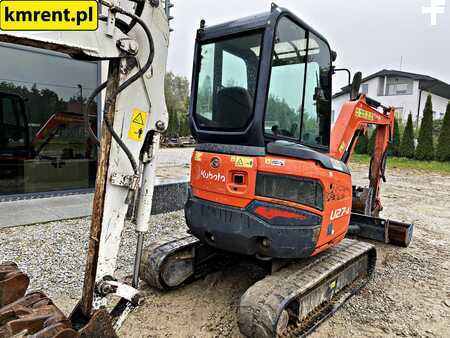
point(134, 114)
point(353, 120)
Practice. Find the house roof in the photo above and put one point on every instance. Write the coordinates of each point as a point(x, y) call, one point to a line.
point(426, 83)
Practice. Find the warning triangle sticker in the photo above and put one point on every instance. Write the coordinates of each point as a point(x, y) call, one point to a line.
point(139, 119)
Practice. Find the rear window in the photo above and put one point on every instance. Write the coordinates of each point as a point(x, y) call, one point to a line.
point(227, 82)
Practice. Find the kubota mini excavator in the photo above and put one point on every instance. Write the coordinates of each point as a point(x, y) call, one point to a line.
point(269, 181)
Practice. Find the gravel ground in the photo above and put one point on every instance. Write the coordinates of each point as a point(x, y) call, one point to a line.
point(174, 162)
point(409, 296)
point(54, 254)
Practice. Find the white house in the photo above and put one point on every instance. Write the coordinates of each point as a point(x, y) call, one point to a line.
point(407, 92)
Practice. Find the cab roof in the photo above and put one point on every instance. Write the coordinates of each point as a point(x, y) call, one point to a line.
point(253, 22)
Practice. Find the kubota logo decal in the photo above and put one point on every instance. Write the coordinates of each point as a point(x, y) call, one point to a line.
point(338, 213)
point(207, 175)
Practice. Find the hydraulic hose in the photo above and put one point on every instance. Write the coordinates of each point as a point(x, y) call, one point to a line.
point(151, 55)
point(122, 87)
point(123, 26)
point(91, 99)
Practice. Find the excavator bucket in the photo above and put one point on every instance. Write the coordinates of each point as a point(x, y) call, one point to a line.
point(13, 283)
point(36, 316)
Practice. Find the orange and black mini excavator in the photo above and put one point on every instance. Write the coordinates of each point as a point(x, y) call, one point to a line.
point(269, 181)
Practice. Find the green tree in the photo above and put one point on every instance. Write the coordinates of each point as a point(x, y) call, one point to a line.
point(437, 127)
point(204, 95)
point(184, 124)
point(176, 89)
point(279, 111)
point(425, 148)
point(407, 144)
point(394, 149)
point(362, 144)
point(174, 126)
point(443, 148)
point(371, 145)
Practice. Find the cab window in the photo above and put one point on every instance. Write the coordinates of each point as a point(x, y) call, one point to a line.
point(298, 105)
point(237, 78)
point(286, 83)
point(317, 106)
point(227, 82)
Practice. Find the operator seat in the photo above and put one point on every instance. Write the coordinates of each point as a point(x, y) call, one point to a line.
point(234, 107)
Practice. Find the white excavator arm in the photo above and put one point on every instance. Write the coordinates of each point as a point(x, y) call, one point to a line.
point(134, 115)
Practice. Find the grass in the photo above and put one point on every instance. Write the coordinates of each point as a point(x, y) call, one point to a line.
point(404, 163)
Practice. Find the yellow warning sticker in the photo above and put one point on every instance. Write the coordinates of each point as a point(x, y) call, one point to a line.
point(342, 147)
point(242, 162)
point(198, 156)
point(137, 126)
point(364, 114)
point(333, 285)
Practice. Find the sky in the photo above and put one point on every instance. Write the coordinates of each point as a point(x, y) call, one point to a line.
point(368, 35)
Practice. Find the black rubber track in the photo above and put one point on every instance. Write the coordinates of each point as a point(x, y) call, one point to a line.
point(263, 304)
point(155, 256)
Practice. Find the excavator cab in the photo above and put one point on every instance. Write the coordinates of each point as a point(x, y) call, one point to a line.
point(269, 178)
point(261, 113)
point(262, 79)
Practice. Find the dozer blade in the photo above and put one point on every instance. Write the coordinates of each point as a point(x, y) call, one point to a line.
point(294, 301)
point(382, 230)
point(36, 316)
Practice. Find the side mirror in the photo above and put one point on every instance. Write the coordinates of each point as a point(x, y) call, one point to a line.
point(356, 86)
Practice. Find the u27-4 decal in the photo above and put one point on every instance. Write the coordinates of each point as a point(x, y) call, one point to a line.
point(339, 213)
